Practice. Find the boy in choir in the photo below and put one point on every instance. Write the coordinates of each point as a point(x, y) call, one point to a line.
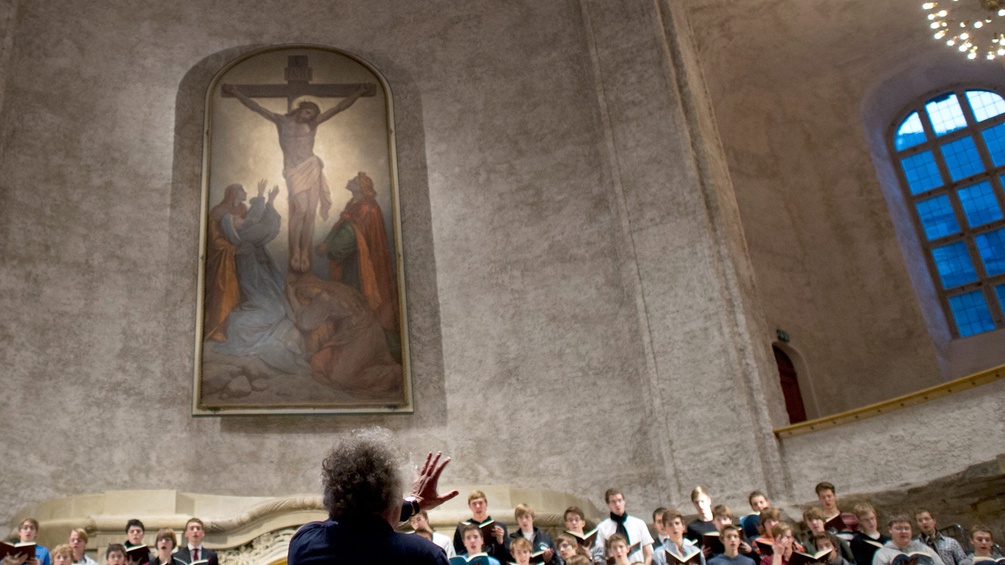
point(164, 544)
point(676, 543)
point(730, 537)
point(947, 548)
point(568, 547)
point(575, 522)
point(194, 551)
point(983, 542)
point(62, 555)
point(521, 549)
point(27, 532)
point(825, 542)
point(575, 519)
point(634, 530)
point(115, 554)
point(722, 516)
point(78, 543)
point(540, 541)
point(784, 543)
point(758, 501)
point(424, 533)
point(578, 560)
point(901, 541)
point(420, 521)
point(767, 520)
point(771, 517)
point(134, 538)
point(494, 545)
point(828, 504)
point(815, 523)
point(617, 550)
point(703, 523)
point(474, 542)
point(751, 523)
point(868, 538)
point(661, 534)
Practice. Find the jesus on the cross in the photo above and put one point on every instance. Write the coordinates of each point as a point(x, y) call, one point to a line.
point(302, 169)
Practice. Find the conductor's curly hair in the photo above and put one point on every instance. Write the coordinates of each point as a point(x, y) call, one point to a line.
point(360, 475)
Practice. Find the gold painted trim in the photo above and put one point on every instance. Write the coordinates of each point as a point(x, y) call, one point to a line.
point(915, 398)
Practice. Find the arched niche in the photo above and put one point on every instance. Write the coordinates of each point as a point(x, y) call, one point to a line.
point(302, 287)
point(881, 110)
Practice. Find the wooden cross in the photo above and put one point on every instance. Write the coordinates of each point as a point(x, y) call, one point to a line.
point(298, 83)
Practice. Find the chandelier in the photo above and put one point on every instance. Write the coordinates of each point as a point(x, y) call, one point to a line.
point(974, 27)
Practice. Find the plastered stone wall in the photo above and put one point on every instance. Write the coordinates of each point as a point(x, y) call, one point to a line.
point(577, 279)
point(908, 447)
point(830, 270)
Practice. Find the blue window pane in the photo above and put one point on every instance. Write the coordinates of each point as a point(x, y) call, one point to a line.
point(1000, 291)
point(980, 204)
point(991, 246)
point(962, 158)
point(995, 140)
point(985, 104)
point(937, 217)
point(910, 132)
point(921, 172)
point(954, 265)
point(971, 313)
point(945, 114)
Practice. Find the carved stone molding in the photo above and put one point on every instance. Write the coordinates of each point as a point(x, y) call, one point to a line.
point(278, 506)
point(266, 549)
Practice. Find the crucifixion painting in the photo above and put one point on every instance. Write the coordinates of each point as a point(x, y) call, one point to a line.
point(306, 318)
point(302, 169)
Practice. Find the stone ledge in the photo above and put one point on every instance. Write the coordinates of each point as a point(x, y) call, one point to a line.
point(235, 521)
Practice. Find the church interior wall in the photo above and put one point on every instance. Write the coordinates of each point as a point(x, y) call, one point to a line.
point(514, 255)
point(899, 445)
point(575, 301)
point(888, 95)
point(824, 246)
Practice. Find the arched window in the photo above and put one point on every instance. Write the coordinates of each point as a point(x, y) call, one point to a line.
point(949, 154)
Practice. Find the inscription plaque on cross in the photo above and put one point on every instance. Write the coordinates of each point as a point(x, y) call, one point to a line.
point(298, 75)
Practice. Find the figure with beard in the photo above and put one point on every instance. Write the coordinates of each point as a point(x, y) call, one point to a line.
point(222, 291)
point(263, 323)
point(302, 169)
point(358, 252)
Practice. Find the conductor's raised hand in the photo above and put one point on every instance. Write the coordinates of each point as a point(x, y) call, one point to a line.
point(426, 486)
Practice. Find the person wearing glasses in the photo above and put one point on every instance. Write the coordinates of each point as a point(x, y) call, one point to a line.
point(902, 541)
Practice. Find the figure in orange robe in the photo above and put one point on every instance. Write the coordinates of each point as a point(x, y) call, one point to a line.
point(348, 346)
point(222, 292)
point(358, 252)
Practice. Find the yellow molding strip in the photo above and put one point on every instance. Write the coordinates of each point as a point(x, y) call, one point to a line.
point(922, 396)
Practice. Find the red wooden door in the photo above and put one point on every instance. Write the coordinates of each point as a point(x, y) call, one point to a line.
point(790, 387)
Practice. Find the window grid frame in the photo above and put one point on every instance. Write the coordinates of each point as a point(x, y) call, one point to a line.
point(967, 234)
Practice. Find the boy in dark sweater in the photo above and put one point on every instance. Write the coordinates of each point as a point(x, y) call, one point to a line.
point(730, 537)
point(867, 539)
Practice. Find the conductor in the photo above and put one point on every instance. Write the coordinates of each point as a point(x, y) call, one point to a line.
point(362, 493)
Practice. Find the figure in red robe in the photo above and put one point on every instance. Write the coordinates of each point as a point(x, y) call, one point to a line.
point(359, 255)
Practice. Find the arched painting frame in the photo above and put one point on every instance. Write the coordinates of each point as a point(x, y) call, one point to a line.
point(301, 305)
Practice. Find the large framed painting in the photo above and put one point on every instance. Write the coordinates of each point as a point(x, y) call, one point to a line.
point(301, 305)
